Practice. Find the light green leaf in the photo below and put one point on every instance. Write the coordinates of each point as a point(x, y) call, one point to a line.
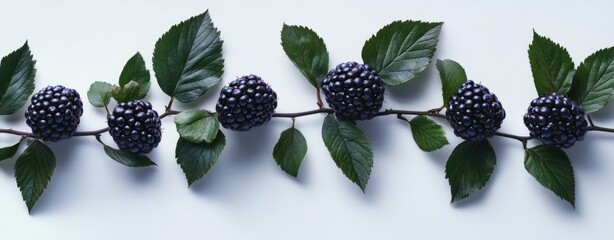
point(307, 51)
point(551, 65)
point(593, 84)
point(33, 170)
point(135, 70)
point(429, 135)
point(128, 92)
point(127, 158)
point(469, 168)
point(290, 150)
point(197, 158)
point(99, 94)
point(452, 77)
point(552, 169)
point(16, 79)
point(197, 126)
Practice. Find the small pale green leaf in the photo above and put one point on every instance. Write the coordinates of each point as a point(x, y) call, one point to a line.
point(197, 126)
point(593, 84)
point(429, 135)
point(99, 94)
point(290, 151)
point(128, 92)
point(127, 158)
point(9, 152)
point(551, 65)
point(188, 60)
point(469, 168)
point(196, 159)
point(307, 51)
point(552, 169)
point(350, 149)
point(135, 70)
point(452, 77)
point(401, 50)
point(33, 170)
point(16, 79)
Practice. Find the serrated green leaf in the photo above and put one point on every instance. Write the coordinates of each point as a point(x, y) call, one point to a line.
point(33, 170)
point(469, 168)
point(552, 169)
point(188, 60)
point(350, 149)
point(196, 159)
point(290, 150)
point(307, 51)
point(197, 126)
point(99, 94)
point(127, 158)
point(551, 65)
point(128, 92)
point(9, 152)
point(452, 77)
point(593, 84)
point(16, 79)
point(402, 50)
point(429, 135)
point(135, 70)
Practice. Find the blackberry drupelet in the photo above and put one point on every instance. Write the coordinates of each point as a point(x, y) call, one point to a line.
point(245, 103)
point(54, 113)
point(556, 121)
point(474, 113)
point(135, 127)
point(354, 91)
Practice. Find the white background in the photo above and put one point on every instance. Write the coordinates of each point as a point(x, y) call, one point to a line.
point(246, 195)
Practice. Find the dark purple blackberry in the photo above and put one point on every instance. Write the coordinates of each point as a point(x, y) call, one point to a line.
point(354, 91)
point(245, 103)
point(54, 113)
point(474, 113)
point(556, 121)
point(135, 127)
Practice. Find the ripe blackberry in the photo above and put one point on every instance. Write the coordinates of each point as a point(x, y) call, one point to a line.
point(474, 113)
point(54, 113)
point(354, 91)
point(245, 103)
point(556, 121)
point(135, 127)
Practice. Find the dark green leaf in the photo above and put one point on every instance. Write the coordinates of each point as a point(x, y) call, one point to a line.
point(99, 94)
point(16, 79)
point(551, 65)
point(9, 152)
point(197, 158)
point(290, 150)
point(402, 50)
point(135, 70)
point(307, 51)
point(188, 58)
point(469, 168)
point(128, 92)
point(33, 170)
point(429, 135)
point(452, 77)
point(350, 149)
point(593, 84)
point(197, 126)
point(127, 158)
point(552, 168)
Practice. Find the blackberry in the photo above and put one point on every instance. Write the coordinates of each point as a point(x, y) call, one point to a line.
point(135, 127)
point(354, 91)
point(54, 113)
point(474, 113)
point(556, 121)
point(245, 103)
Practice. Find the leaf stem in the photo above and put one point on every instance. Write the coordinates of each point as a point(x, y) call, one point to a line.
point(319, 98)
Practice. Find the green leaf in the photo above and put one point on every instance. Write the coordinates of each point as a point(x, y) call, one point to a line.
point(290, 151)
point(135, 70)
point(197, 126)
point(350, 149)
point(188, 58)
point(127, 158)
point(551, 65)
point(402, 50)
point(593, 84)
point(429, 135)
point(33, 170)
point(128, 92)
point(9, 152)
point(552, 169)
point(16, 79)
point(99, 94)
point(307, 51)
point(469, 168)
point(452, 77)
point(197, 158)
